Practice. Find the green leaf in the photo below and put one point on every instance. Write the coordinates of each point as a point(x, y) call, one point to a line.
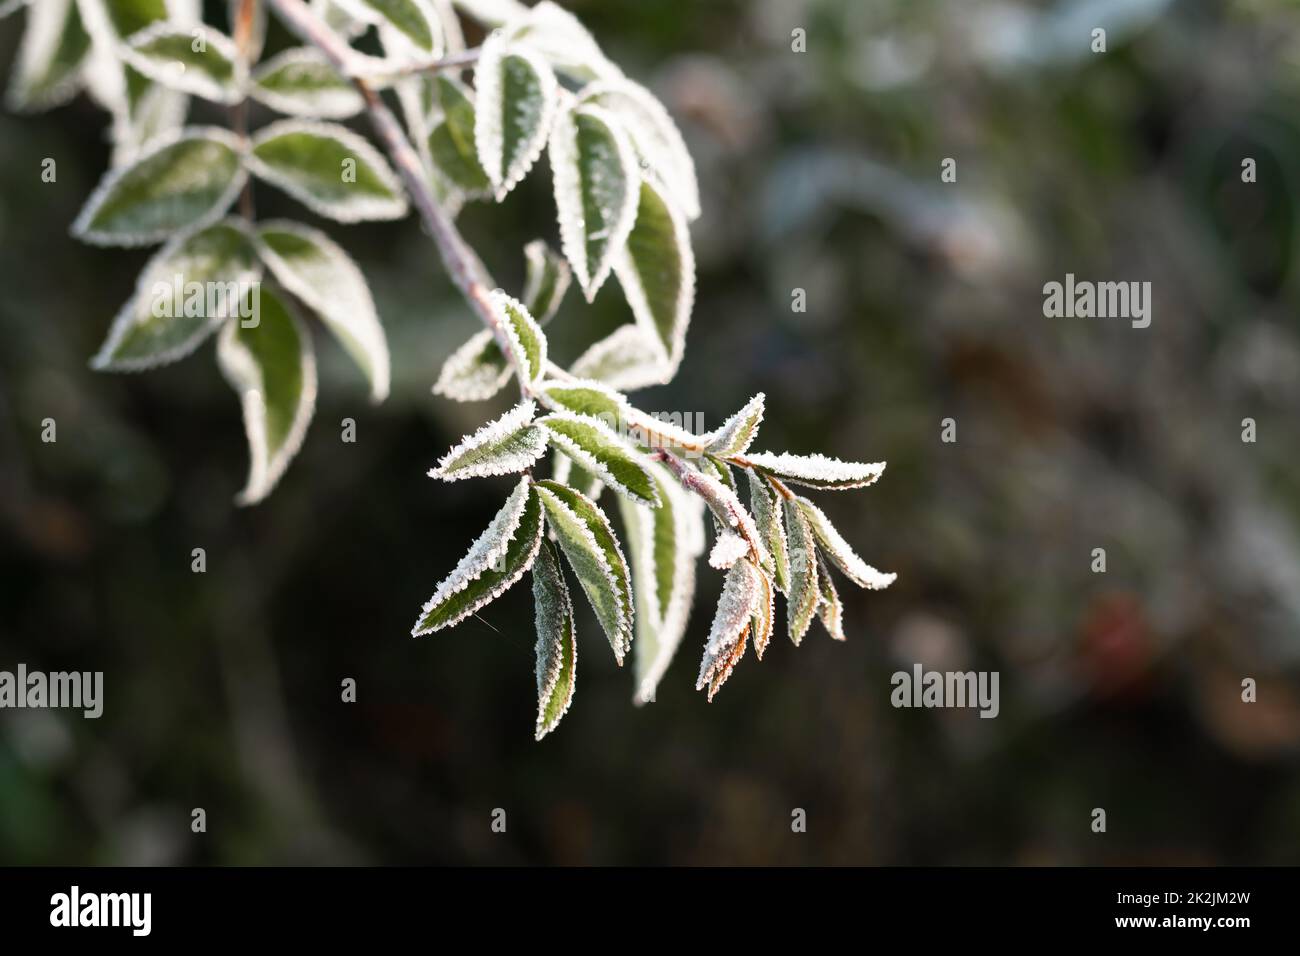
point(451, 144)
point(762, 623)
point(663, 545)
point(766, 506)
point(526, 338)
point(738, 431)
point(830, 611)
point(588, 542)
point(272, 367)
point(413, 19)
point(657, 272)
point(557, 651)
point(509, 444)
point(301, 82)
point(655, 137)
point(317, 270)
point(595, 446)
point(585, 397)
point(192, 59)
point(9, 7)
point(547, 280)
point(517, 96)
point(492, 13)
point(329, 169)
point(839, 551)
point(475, 371)
point(597, 187)
point(495, 561)
point(184, 293)
point(128, 16)
point(185, 181)
point(732, 622)
point(818, 471)
point(48, 67)
point(803, 595)
point(628, 358)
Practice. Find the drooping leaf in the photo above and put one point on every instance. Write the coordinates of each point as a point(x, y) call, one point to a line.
point(663, 544)
point(597, 187)
point(628, 358)
point(557, 651)
point(184, 293)
point(187, 181)
point(729, 632)
point(737, 431)
point(329, 169)
point(527, 340)
point(451, 143)
point(655, 137)
point(657, 272)
point(763, 621)
point(547, 281)
point(517, 96)
point(302, 82)
point(588, 542)
point(818, 471)
point(495, 561)
point(766, 507)
point(508, 445)
point(192, 59)
point(803, 595)
point(414, 20)
point(830, 611)
point(316, 269)
point(272, 367)
point(586, 397)
point(475, 371)
point(599, 449)
point(47, 70)
point(563, 41)
point(839, 551)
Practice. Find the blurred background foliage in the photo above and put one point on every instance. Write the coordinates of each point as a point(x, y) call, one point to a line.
point(819, 171)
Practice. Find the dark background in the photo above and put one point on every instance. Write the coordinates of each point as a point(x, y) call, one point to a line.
point(820, 171)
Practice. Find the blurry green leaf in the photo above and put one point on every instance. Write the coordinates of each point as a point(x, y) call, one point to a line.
point(47, 70)
point(657, 272)
point(451, 144)
point(547, 280)
point(301, 82)
point(413, 19)
point(187, 181)
point(475, 371)
point(517, 96)
point(197, 60)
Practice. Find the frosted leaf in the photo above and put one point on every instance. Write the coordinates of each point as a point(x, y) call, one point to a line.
point(556, 651)
point(307, 159)
point(628, 358)
point(48, 69)
point(803, 595)
point(184, 180)
point(272, 368)
point(451, 143)
point(548, 279)
point(738, 431)
point(656, 270)
point(517, 97)
point(597, 187)
point(663, 543)
point(302, 82)
point(526, 338)
point(413, 20)
point(731, 514)
point(762, 623)
point(655, 136)
point(494, 562)
point(729, 632)
point(165, 52)
point(600, 450)
point(586, 397)
point(839, 551)
point(505, 446)
point(565, 472)
point(766, 507)
point(319, 272)
point(565, 43)
point(475, 371)
point(492, 13)
point(818, 471)
point(727, 550)
point(139, 339)
point(831, 610)
point(588, 542)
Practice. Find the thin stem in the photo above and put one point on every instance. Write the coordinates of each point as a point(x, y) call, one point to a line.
point(452, 61)
point(245, 17)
